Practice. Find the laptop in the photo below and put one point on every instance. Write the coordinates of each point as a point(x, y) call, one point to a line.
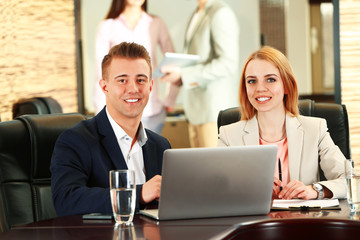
point(215, 182)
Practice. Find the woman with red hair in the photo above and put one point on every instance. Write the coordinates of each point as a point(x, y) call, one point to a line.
point(270, 116)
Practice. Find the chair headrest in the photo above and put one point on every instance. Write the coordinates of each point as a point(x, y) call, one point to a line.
point(44, 131)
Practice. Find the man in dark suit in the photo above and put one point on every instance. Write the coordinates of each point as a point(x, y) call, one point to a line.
point(113, 139)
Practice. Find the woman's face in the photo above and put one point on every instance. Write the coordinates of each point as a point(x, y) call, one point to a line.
point(133, 3)
point(264, 86)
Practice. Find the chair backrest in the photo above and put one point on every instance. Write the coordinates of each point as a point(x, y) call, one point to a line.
point(36, 105)
point(335, 115)
point(26, 146)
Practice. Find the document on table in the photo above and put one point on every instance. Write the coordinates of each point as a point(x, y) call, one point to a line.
point(299, 204)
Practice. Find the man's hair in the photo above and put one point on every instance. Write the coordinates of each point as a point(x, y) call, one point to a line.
point(279, 60)
point(125, 50)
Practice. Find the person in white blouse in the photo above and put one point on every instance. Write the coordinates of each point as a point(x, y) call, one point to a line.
point(127, 21)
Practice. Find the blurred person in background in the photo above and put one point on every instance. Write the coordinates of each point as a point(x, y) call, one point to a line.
point(128, 21)
point(210, 85)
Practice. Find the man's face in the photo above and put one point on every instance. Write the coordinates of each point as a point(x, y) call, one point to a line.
point(127, 87)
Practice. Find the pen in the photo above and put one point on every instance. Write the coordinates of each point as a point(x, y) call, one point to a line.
point(280, 177)
point(304, 208)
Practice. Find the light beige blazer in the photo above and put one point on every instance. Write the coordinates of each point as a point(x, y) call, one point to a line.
point(308, 141)
point(212, 84)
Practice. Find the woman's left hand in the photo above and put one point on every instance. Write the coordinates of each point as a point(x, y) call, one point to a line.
point(297, 189)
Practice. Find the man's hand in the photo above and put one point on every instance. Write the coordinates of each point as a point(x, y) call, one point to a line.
point(151, 190)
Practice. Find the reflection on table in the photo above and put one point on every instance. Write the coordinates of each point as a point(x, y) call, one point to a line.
point(74, 227)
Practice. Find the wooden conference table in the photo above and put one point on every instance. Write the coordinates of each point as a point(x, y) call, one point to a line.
point(329, 224)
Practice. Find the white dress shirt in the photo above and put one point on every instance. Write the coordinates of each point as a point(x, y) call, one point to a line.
point(133, 155)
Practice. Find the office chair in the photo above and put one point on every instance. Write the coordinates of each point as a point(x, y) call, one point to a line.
point(335, 115)
point(36, 105)
point(26, 146)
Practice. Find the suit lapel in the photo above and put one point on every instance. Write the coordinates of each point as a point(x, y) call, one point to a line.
point(149, 152)
point(252, 132)
point(202, 17)
point(109, 141)
point(295, 138)
point(294, 134)
point(195, 29)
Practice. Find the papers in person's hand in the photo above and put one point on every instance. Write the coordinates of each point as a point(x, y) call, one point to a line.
point(176, 59)
point(295, 204)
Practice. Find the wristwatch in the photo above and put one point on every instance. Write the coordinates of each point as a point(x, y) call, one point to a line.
point(319, 188)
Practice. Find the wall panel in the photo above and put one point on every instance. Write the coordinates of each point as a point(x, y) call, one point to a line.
point(37, 52)
point(350, 69)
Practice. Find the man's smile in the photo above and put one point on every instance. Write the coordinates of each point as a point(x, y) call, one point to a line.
point(132, 100)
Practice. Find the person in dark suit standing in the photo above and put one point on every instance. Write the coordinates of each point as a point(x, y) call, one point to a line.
point(114, 139)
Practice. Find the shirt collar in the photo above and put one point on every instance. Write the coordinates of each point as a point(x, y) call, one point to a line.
point(120, 133)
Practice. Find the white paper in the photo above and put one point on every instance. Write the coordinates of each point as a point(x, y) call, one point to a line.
point(176, 59)
point(281, 203)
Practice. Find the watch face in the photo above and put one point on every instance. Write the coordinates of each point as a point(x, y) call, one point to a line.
point(317, 187)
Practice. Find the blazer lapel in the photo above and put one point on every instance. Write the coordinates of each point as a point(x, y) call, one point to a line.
point(109, 141)
point(198, 23)
point(149, 152)
point(203, 15)
point(251, 130)
point(295, 138)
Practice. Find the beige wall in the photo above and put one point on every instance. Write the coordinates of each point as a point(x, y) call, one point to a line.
point(298, 42)
point(350, 69)
point(37, 52)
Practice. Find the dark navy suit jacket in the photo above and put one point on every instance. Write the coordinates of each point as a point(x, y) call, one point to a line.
point(82, 159)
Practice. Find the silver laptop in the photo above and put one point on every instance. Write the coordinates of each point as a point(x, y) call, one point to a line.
point(215, 182)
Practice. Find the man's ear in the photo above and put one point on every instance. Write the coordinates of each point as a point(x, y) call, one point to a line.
point(103, 85)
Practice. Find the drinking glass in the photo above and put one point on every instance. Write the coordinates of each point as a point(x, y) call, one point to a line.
point(352, 176)
point(123, 195)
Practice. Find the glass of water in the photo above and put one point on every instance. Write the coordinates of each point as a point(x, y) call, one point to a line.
point(123, 195)
point(352, 176)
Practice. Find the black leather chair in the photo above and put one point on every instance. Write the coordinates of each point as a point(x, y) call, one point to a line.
point(26, 146)
point(36, 105)
point(335, 115)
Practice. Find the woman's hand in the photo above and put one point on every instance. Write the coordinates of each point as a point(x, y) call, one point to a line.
point(276, 188)
point(172, 75)
point(297, 189)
